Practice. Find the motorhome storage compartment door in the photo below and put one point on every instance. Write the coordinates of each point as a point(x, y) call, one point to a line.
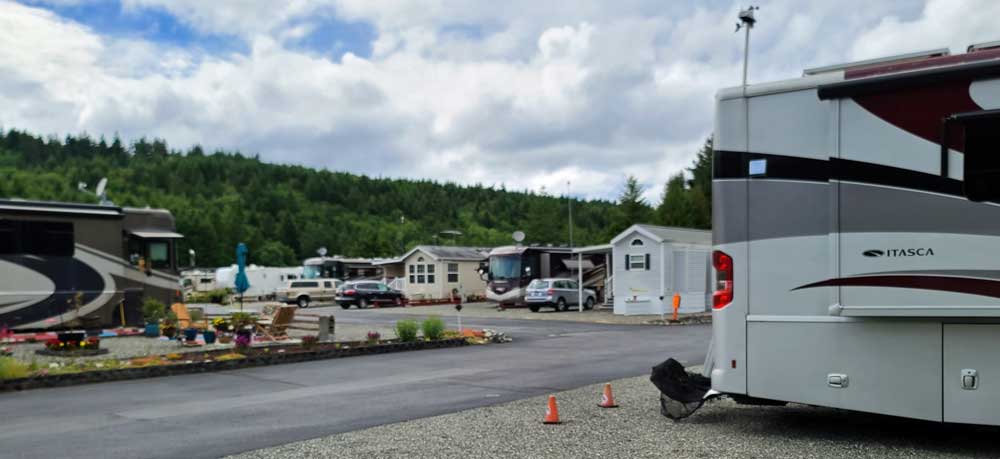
point(971, 374)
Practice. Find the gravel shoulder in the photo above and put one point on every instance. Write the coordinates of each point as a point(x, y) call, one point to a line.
point(721, 429)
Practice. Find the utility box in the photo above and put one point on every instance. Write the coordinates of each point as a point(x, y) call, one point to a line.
point(327, 326)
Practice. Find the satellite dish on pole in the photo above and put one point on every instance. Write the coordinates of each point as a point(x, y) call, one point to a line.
point(518, 236)
point(321, 251)
point(101, 187)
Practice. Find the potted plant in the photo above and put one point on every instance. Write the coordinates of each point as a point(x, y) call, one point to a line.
point(190, 334)
point(209, 336)
point(170, 325)
point(153, 313)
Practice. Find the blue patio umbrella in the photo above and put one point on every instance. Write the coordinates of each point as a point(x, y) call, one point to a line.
point(242, 283)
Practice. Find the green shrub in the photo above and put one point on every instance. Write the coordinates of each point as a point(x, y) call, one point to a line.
point(406, 330)
point(433, 328)
point(153, 310)
point(12, 369)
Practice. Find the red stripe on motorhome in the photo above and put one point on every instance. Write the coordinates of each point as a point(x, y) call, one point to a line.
point(971, 286)
point(921, 110)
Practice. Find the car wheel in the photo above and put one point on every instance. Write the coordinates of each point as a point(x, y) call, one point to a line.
point(346, 306)
point(362, 303)
point(561, 305)
point(533, 308)
point(303, 302)
point(589, 304)
point(399, 301)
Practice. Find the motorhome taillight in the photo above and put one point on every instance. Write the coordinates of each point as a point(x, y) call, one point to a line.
point(723, 264)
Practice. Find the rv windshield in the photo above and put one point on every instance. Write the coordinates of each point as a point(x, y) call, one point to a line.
point(311, 272)
point(505, 267)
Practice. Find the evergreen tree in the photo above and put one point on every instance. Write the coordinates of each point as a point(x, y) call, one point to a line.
point(632, 207)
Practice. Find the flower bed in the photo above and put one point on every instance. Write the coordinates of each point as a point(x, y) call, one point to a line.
point(200, 362)
point(72, 348)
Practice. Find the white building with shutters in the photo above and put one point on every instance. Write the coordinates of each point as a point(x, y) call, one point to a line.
point(651, 263)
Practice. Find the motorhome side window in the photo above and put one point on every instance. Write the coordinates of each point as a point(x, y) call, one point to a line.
point(982, 160)
point(36, 238)
point(159, 254)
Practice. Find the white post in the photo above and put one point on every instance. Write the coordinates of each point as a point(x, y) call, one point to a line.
point(579, 282)
point(459, 322)
point(663, 275)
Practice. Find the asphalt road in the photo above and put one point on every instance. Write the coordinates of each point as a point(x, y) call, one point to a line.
point(216, 414)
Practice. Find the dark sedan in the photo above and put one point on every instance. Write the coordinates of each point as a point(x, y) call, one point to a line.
point(366, 293)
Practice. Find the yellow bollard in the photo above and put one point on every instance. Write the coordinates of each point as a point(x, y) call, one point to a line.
point(121, 311)
point(677, 305)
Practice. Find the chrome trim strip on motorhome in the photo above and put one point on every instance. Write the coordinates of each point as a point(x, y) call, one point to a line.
point(63, 210)
point(786, 318)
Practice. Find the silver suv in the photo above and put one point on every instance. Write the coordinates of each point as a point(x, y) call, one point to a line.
point(557, 293)
point(305, 291)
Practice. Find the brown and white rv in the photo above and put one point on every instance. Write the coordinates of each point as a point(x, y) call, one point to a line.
point(81, 265)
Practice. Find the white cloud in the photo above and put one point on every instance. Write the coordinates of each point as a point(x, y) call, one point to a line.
point(525, 93)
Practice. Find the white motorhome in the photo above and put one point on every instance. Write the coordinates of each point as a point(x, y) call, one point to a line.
point(264, 281)
point(856, 238)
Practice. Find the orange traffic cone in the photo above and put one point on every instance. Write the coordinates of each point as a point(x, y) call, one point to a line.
point(552, 412)
point(607, 399)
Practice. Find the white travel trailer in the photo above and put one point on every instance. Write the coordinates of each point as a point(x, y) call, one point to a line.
point(856, 234)
point(264, 281)
point(654, 262)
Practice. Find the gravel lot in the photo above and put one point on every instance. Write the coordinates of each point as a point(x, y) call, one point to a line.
point(637, 430)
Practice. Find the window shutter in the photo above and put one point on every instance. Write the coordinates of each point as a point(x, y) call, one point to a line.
point(647, 262)
point(626, 262)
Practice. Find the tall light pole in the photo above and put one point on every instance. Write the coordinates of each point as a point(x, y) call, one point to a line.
point(746, 23)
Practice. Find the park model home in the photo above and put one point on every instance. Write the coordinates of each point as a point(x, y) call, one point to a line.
point(654, 262)
point(430, 272)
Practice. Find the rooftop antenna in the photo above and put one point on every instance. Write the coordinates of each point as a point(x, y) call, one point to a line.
point(746, 23)
point(102, 191)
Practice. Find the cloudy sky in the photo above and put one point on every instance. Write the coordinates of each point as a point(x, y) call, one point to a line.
point(527, 93)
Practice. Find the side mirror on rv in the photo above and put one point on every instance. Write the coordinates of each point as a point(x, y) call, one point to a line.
point(527, 270)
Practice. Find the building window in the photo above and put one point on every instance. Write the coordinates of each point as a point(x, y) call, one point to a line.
point(413, 269)
point(453, 273)
point(637, 242)
point(430, 278)
point(430, 269)
point(637, 262)
point(413, 279)
point(420, 269)
point(420, 279)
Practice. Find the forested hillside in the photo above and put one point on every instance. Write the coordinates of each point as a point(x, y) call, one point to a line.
point(284, 213)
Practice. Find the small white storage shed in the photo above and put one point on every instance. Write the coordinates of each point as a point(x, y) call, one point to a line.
point(652, 262)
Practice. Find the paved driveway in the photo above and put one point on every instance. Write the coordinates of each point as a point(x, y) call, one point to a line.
point(210, 415)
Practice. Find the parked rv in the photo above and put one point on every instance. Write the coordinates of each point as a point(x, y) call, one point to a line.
point(304, 292)
point(68, 264)
point(264, 281)
point(512, 268)
point(338, 267)
point(856, 226)
point(198, 280)
point(558, 294)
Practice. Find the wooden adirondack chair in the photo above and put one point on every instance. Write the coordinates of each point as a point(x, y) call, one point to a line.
point(184, 317)
point(277, 326)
